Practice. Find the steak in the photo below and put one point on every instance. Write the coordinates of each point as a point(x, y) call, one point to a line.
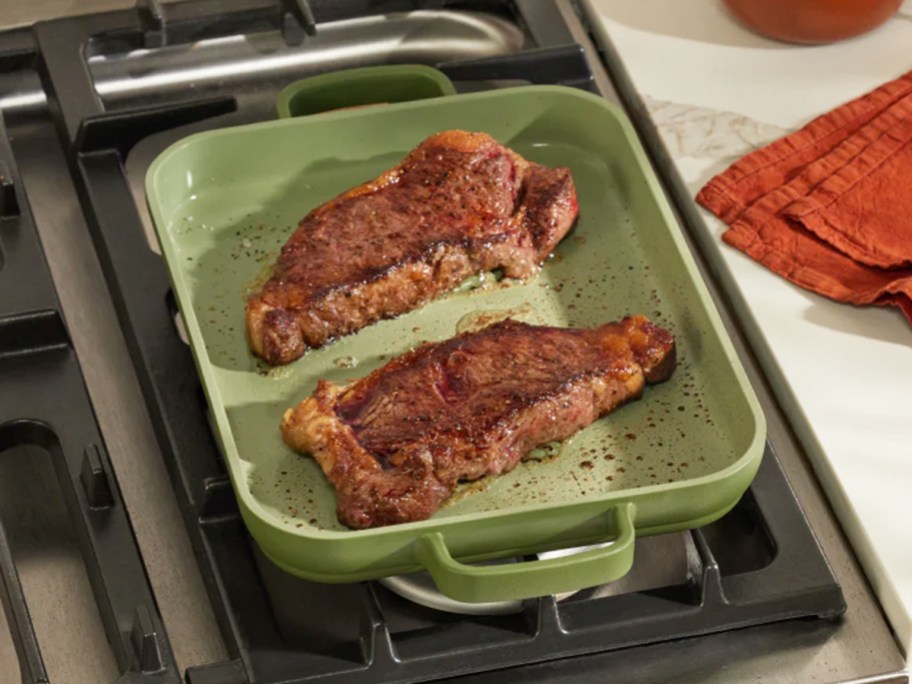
point(458, 204)
point(395, 443)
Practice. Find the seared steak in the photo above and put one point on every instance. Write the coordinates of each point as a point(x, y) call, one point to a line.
point(395, 443)
point(459, 204)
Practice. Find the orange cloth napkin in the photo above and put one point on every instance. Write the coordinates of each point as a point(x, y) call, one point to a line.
point(830, 206)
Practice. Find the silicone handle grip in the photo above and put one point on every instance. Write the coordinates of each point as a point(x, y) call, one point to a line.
point(482, 583)
point(362, 87)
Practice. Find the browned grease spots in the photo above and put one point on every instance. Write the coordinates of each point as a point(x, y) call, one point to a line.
point(478, 320)
point(545, 452)
point(256, 284)
point(587, 465)
point(466, 489)
point(630, 435)
point(263, 369)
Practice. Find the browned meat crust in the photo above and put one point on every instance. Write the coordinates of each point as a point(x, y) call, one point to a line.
point(396, 443)
point(459, 204)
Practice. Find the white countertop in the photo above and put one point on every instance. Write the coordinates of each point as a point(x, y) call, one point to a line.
point(717, 91)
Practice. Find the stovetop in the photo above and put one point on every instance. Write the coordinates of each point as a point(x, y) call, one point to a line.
point(760, 564)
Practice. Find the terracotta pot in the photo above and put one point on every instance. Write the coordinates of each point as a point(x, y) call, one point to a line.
point(813, 21)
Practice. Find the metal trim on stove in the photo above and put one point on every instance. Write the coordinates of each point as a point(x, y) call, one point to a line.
point(44, 402)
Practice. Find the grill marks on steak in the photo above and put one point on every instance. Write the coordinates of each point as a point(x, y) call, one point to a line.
point(459, 204)
point(396, 443)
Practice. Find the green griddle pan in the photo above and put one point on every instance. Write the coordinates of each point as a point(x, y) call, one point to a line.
point(224, 201)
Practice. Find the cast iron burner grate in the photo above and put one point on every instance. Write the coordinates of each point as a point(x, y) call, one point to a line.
point(759, 564)
point(44, 402)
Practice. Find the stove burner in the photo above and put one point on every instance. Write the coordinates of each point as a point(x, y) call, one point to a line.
point(420, 588)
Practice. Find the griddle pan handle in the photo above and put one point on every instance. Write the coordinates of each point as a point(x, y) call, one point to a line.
point(362, 88)
point(511, 581)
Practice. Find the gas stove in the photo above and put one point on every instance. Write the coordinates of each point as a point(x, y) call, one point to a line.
point(104, 94)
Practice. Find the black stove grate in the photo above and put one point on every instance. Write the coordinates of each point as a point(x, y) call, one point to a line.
point(44, 402)
point(353, 633)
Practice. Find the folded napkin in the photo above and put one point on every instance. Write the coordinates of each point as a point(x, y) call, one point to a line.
point(830, 206)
